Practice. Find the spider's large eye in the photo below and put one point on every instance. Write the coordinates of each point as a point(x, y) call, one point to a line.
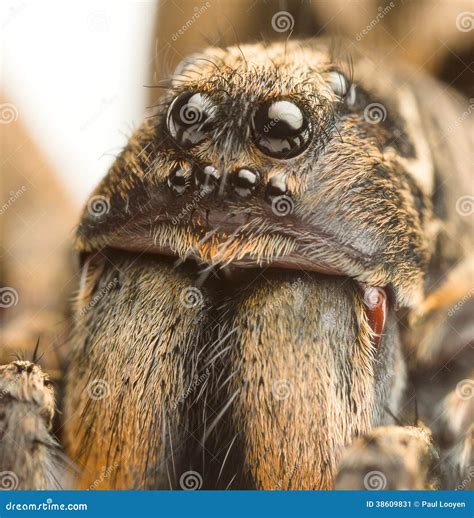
point(188, 118)
point(281, 129)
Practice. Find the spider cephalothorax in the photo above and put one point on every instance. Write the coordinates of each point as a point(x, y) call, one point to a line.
point(258, 159)
point(259, 232)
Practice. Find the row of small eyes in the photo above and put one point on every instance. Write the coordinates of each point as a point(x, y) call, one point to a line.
point(243, 181)
point(281, 129)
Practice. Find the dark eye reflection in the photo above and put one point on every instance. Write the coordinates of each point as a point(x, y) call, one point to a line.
point(281, 129)
point(188, 118)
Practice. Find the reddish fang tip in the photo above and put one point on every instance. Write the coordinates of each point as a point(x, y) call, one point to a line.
point(376, 306)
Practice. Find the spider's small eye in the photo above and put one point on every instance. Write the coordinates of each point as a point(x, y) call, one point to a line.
point(188, 118)
point(339, 83)
point(341, 86)
point(281, 129)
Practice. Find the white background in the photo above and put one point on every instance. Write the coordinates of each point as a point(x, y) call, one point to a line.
point(76, 72)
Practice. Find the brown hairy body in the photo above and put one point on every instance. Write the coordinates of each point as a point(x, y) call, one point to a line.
point(229, 339)
point(219, 343)
point(258, 330)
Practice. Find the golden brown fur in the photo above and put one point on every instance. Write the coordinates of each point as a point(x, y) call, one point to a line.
point(267, 378)
point(369, 190)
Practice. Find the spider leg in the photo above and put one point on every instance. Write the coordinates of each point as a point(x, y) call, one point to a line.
point(30, 456)
point(135, 342)
point(390, 457)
